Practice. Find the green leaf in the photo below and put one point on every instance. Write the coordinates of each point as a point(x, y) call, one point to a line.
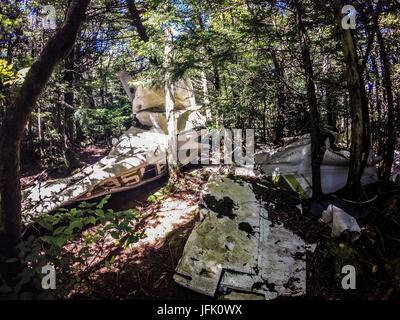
point(115, 235)
point(99, 213)
point(59, 230)
point(130, 240)
point(91, 220)
point(61, 241)
point(45, 224)
point(103, 202)
point(68, 231)
point(48, 239)
point(76, 224)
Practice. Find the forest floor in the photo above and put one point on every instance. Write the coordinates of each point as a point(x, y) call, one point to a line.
point(375, 255)
point(145, 271)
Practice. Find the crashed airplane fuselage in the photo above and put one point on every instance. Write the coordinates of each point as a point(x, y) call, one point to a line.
point(137, 158)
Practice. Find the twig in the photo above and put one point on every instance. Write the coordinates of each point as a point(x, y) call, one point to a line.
point(172, 257)
point(380, 235)
point(393, 238)
point(140, 284)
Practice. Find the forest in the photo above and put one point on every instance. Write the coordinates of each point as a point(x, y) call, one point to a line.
point(182, 149)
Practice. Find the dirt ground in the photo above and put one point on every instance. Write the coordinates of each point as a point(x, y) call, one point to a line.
point(146, 270)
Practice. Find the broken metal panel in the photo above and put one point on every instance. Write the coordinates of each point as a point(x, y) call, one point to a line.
point(125, 167)
point(186, 120)
point(153, 97)
point(236, 248)
point(283, 261)
point(281, 268)
point(226, 239)
point(293, 162)
point(149, 107)
point(125, 78)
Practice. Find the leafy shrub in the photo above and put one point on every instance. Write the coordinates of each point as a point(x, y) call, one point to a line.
point(74, 243)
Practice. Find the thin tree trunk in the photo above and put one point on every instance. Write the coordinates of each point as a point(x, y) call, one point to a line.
point(331, 114)
point(137, 21)
point(206, 98)
point(378, 107)
point(139, 26)
point(70, 158)
point(316, 151)
point(387, 79)
point(69, 100)
point(40, 132)
point(169, 111)
point(17, 117)
point(280, 89)
point(360, 141)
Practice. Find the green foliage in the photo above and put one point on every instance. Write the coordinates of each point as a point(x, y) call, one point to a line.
point(71, 241)
point(161, 194)
point(102, 121)
point(7, 75)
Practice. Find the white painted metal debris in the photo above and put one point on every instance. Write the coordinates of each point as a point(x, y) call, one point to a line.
point(293, 162)
point(340, 221)
point(236, 249)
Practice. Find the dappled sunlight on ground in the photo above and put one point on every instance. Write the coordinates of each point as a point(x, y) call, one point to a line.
point(171, 214)
point(146, 268)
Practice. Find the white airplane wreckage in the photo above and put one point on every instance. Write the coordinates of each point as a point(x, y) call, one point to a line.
point(237, 252)
point(137, 158)
point(234, 249)
point(292, 164)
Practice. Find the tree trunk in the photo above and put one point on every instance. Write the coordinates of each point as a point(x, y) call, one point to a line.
point(206, 98)
point(17, 117)
point(138, 24)
point(316, 151)
point(70, 158)
point(40, 132)
point(137, 21)
point(279, 87)
point(169, 111)
point(69, 98)
point(387, 79)
point(360, 141)
point(331, 114)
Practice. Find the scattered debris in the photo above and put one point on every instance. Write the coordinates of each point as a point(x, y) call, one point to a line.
point(138, 158)
point(340, 221)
